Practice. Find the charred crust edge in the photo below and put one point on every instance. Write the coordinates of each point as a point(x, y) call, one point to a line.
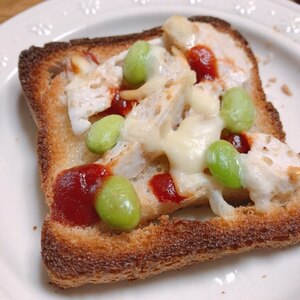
point(175, 243)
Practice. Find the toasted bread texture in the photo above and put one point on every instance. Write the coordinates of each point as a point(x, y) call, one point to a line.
point(77, 255)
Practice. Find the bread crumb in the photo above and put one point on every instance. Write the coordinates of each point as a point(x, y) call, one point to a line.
point(264, 276)
point(268, 45)
point(56, 288)
point(276, 29)
point(34, 227)
point(286, 90)
point(270, 80)
point(268, 58)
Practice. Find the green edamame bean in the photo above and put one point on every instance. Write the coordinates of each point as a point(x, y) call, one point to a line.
point(118, 204)
point(104, 134)
point(135, 64)
point(224, 164)
point(237, 110)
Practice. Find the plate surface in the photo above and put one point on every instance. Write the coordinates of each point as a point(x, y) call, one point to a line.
point(273, 30)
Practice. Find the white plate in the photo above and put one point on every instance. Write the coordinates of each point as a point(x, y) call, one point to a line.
point(273, 30)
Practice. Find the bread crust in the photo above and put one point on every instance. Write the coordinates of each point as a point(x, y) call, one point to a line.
point(74, 256)
point(172, 244)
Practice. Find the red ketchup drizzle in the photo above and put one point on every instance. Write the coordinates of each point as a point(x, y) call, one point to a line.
point(91, 56)
point(203, 62)
point(74, 194)
point(163, 188)
point(239, 141)
point(119, 106)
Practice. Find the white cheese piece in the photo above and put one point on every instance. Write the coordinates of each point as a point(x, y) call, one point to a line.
point(180, 32)
point(203, 101)
point(187, 145)
point(92, 93)
point(218, 205)
point(158, 62)
point(266, 169)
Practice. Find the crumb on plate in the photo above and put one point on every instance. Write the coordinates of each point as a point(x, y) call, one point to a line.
point(268, 58)
point(286, 90)
point(268, 45)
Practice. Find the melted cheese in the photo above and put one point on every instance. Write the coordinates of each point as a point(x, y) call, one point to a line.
point(185, 147)
point(218, 205)
point(182, 31)
point(203, 101)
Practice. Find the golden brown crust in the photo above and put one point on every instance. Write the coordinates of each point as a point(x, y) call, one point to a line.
point(74, 256)
point(173, 244)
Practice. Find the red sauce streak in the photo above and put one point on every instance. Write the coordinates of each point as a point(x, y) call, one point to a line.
point(119, 106)
point(239, 141)
point(74, 194)
point(91, 57)
point(202, 60)
point(163, 188)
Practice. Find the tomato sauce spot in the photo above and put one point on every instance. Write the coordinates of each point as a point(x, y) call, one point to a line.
point(163, 188)
point(202, 60)
point(239, 141)
point(74, 194)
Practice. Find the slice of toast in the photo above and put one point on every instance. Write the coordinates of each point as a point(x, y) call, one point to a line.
point(75, 255)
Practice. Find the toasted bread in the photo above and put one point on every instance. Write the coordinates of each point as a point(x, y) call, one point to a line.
point(75, 255)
